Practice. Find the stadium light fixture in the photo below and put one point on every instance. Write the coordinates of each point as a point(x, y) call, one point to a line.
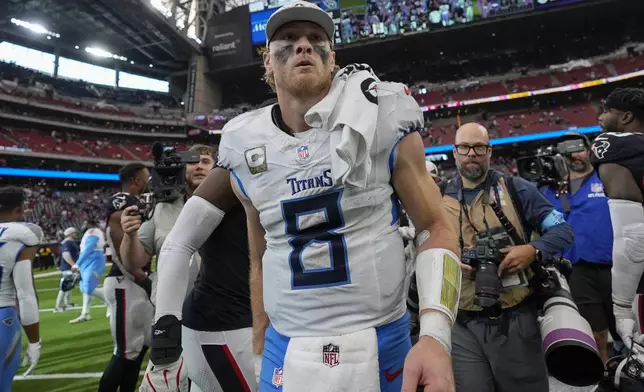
point(98, 52)
point(35, 27)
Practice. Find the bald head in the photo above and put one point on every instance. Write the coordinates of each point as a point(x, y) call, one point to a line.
point(472, 153)
point(472, 133)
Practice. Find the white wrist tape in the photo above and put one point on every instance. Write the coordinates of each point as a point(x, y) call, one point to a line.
point(26, 292)
point(438, 277)
point(628, 253)
point(438, 326)
point(198, 219)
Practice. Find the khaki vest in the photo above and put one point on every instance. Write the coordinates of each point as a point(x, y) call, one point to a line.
point(509, 297)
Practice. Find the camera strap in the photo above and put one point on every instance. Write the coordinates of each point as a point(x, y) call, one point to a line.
point(463, 211)
point(564, 203)
point(539, 272)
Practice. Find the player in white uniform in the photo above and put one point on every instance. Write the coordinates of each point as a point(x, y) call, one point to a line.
point(328, 253)
point(18, 245)
point(332, 258)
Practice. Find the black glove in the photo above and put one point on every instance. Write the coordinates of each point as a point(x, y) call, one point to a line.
point(166, 341)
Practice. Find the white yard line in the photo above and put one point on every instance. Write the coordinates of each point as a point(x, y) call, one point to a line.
point(61, 376)
point(73, 308)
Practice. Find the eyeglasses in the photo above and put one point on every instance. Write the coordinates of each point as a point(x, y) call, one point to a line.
point(479, 149)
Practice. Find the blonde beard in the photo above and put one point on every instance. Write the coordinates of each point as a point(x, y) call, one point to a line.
point(303, 86)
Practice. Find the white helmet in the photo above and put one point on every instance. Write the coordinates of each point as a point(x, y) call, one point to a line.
point(432, 169)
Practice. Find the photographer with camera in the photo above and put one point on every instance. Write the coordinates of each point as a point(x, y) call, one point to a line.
point(145, 235)
point(496, 340)
point(585, 207)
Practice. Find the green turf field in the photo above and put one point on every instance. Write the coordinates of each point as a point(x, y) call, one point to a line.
point(67, 348)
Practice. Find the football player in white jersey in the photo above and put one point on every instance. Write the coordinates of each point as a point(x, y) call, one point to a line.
point(327, 244)
point(91, 264)
point(327, 261)
point(18, 244)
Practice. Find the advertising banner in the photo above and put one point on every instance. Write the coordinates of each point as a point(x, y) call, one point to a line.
point(228, 43)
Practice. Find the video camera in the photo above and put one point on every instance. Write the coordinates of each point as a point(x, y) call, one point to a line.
point(485, 258)
point(169, 172)
point(168, 178)
point(548, 165)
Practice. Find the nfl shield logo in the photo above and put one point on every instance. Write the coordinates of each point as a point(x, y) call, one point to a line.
point(277, 377)
point(596, 187)
point(302, 152)
point(331, 355)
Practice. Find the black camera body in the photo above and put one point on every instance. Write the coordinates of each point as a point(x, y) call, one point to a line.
point(548, 165)
point(168, 179)
point(485, 258)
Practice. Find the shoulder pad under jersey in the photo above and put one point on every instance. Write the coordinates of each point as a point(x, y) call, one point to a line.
point(121, 200)
point(616, 147)
point(29, 234)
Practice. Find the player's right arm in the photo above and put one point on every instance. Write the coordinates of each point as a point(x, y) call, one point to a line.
point(627, 217)
point(132, 252)
point(116, 234)
point(256, 249)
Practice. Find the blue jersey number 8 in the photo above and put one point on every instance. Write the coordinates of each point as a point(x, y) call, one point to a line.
point(324, 232)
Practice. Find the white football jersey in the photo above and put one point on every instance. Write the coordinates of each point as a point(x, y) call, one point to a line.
point(14, 237)
point(100, 245)
point(334, 260)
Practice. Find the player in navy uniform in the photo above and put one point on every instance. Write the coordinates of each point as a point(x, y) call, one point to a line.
point(69, 252)
point(618, 156)
point(127, 294)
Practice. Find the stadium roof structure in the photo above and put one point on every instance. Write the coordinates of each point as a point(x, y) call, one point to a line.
point(152, 36)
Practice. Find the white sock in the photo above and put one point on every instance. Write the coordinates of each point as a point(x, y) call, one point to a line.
point(68, 298)
point(59, 299)
point(86, 301)
point(98, 293)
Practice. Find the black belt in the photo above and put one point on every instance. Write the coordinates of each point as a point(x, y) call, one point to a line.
point(495, 314)
point(590, 264)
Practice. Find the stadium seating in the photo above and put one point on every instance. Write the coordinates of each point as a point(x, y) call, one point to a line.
point(56, 210)
point(80, 89)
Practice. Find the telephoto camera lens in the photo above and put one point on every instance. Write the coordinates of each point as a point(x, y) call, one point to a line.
point(488, 285)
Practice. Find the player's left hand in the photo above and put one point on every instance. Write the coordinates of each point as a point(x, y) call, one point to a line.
point(429, 366)
point(32, 355)
point(517, 258)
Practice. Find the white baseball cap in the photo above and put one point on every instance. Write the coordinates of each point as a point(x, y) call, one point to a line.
point(299, 11)
point(431, 169)
point(69, 231)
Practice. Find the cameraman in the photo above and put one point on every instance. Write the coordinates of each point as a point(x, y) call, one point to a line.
point(143, 240)
point(585, 208)
point(498, 347)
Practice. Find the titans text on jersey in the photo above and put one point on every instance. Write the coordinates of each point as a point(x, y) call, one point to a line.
point(334, 260)
point(299, 185)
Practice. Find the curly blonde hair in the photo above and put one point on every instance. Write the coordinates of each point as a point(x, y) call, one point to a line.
point(269, 77)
